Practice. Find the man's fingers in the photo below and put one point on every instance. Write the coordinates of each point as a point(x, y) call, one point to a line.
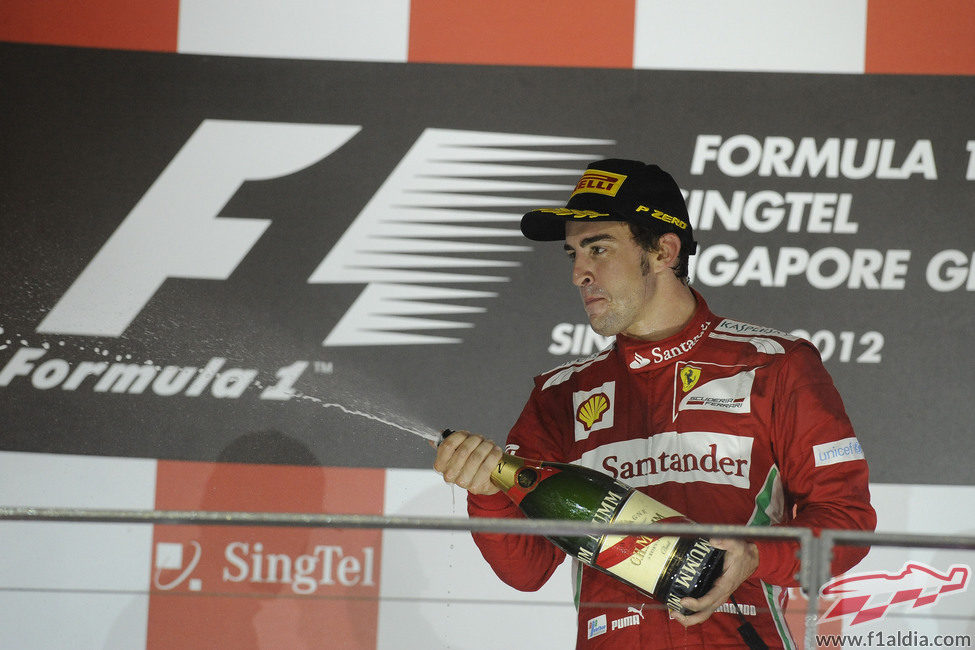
point(695, 618)
point(447, 451)
point(722, 543)
point(481, 481)
point(706, 603)
point(740, 561)
point(477, 451)
point(704, 606)
point(467, 460)
point(461, 456)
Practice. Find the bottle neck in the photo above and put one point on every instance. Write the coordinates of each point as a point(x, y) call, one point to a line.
point(505, 473)
point(517, 476)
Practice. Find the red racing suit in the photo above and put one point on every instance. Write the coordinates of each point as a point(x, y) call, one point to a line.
point(725, 422)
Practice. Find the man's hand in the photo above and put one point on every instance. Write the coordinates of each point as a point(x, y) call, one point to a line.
point(740, 562)
point(467, 460)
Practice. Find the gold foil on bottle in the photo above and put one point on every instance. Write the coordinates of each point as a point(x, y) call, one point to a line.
point(504, 474)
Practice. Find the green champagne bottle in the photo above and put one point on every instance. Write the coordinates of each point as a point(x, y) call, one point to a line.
point(665, 568)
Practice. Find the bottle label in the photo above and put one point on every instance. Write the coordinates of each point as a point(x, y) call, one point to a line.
point(639, 559)
point(609, 510)
point(691, 571)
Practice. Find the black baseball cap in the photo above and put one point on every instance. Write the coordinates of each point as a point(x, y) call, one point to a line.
point(618, 190)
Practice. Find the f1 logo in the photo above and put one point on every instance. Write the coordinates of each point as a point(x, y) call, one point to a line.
point(403, 246)
point(174, 230)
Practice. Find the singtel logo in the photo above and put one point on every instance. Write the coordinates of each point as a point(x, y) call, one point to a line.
point(325, 565)
point(250, 563)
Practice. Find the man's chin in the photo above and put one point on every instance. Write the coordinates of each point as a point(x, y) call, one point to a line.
point(601, 327)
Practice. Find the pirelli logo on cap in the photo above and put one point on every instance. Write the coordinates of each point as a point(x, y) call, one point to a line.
point(599, 182)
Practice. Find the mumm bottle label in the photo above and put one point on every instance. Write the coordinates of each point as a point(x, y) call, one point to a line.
point(607, 512)
point(640, 560)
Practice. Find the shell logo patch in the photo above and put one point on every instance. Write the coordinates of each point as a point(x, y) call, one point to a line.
point(593, 409)
point(689, 376)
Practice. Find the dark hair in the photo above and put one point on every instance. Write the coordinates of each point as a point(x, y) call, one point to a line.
point(649, 240)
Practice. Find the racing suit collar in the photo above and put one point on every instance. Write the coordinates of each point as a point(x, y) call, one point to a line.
point(642, 356)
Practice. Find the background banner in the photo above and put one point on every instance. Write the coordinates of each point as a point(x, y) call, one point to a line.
point(237, 282)
point(201, 249)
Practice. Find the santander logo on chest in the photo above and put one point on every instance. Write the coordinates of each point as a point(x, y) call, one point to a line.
point(685, 457)
point(657, 354)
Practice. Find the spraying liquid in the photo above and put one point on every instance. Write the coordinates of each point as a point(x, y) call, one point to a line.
point(428, 433)
point(422, 431)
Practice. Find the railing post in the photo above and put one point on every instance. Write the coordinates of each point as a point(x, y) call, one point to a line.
point(809, 558)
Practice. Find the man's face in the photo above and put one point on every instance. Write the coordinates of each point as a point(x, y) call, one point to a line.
point(613, 275)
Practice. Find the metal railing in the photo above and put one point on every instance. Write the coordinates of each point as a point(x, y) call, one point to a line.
point(815, 551)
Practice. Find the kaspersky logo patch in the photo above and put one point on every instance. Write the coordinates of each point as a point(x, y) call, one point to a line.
point(594, 409)
point(599, 182)
point(870, 596)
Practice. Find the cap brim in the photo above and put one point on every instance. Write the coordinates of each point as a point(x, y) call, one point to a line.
point(548, 224)
point(543, 225)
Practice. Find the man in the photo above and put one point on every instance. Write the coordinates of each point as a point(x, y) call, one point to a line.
point(722, 421)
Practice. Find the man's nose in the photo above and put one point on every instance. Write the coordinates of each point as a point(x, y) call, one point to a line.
point(581, 273)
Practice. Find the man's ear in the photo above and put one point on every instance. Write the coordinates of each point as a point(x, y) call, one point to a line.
point(668, 250)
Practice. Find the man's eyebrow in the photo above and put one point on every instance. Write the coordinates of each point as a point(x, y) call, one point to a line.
point(591, 240)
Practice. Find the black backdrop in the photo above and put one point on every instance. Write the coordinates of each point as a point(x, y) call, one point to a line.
point(86, 133)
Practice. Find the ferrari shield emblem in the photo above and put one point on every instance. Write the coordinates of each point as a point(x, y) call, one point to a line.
point(689, 376)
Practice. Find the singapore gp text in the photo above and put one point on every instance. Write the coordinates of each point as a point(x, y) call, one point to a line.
point(830, 214)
